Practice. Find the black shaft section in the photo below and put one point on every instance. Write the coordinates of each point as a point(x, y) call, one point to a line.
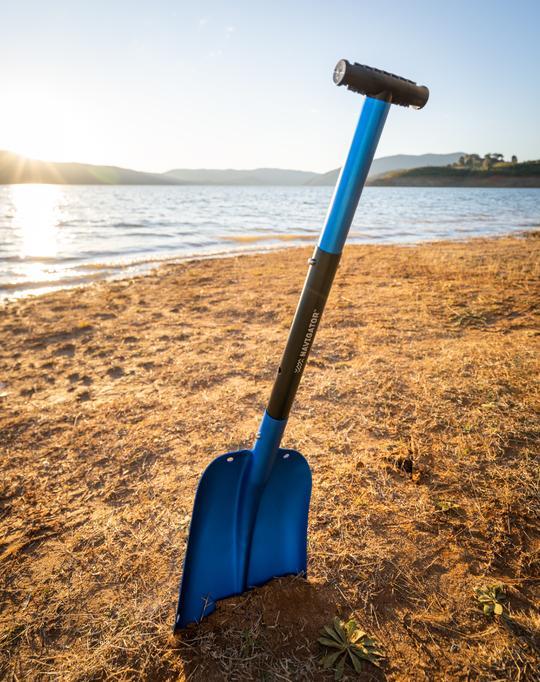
point(322, 268)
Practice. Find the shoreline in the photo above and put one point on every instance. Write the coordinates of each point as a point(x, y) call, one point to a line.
point(138, 268)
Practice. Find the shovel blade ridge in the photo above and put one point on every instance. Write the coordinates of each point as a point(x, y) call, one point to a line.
point(279, 540)
point(215, 555)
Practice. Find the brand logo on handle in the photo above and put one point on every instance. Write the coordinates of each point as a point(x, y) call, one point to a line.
point(308, 340)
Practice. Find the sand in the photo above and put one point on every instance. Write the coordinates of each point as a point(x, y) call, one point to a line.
point(417, 413)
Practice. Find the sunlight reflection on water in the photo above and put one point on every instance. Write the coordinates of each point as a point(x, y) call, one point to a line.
point(36, 215)
point(35, 211)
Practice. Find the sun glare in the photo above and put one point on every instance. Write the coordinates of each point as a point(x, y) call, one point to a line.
point(36, 212)
point(40, 123)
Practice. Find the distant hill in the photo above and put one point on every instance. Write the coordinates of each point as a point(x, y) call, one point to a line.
point(17, 169)
point(392, 163)
point(258, 176)
point(525, 174)
point(399, 170)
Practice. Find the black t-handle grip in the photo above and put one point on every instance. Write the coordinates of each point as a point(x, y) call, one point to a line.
point(380, 84)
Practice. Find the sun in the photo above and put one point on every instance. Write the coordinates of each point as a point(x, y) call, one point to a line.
point(39, 123)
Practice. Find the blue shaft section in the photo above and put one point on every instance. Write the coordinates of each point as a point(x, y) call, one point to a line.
point(265, 452)
point(353, 175)
point(266, 447)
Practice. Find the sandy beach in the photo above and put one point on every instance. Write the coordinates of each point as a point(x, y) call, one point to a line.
point(418, 414)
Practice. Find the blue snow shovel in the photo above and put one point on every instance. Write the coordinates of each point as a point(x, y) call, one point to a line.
point(250, 516)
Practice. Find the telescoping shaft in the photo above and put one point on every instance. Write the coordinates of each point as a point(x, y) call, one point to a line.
point(382, 89)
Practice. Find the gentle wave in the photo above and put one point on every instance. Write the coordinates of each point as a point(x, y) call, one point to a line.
point(50, 284)
point(36, 259)
point(252, 238)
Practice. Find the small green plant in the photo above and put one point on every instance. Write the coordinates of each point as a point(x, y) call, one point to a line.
point(491, 596)
point(350, 643)
point(446, 506)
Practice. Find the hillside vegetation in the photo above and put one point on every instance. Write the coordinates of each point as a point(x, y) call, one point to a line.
point(506, 174)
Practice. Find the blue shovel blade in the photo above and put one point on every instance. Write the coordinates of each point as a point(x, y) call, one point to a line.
point(221, 561)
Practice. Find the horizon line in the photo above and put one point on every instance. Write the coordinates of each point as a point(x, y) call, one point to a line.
point(228, 168)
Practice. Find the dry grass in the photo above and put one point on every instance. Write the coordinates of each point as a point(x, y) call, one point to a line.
point(418, 414)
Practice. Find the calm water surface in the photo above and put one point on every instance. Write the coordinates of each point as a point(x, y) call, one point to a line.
point(54, 236)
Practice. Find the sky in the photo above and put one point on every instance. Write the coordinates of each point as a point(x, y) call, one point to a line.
point(173, 84)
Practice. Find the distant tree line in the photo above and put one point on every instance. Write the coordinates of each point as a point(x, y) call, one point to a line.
point(486, 162)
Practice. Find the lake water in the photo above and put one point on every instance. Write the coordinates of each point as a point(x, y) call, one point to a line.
point(54, 236)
